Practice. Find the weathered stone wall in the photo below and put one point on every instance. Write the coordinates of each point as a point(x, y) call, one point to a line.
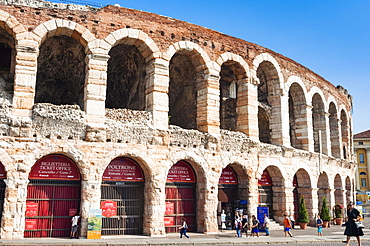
point(163, 54)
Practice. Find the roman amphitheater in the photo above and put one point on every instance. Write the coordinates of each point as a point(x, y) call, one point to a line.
point(153, 119)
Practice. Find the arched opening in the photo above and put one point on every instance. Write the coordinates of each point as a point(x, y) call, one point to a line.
point(228, 195)
point(348, 190)
point(264, 125)
point(231, 73)
point(338, 193)
point(334, 131)
point(323, 189)
point(319, 124)
point(180, 197)
point(302, 187)
point(126, 78)
point(270, 191)
point(183, 91)
point(61, 72)
point(344, 131)
point(53, 196)
point(297, 117)
point(7, 63)
point(122, 198)
point(2, 189)
point(267, 90)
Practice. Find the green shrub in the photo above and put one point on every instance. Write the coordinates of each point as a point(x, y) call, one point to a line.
point(302, 213)
point(338, 211)
point(325, 214)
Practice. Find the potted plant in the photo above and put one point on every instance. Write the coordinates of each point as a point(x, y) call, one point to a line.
point(302, 214)
point(325, 214)
point(338, 212)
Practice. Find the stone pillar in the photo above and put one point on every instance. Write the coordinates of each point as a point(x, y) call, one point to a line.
point(157, 84)
point(252, 196)
point(279, 120)
point(208, 214)
point(155, 206)
point(247, 108)
point(327, 141)
point(306, 131)
point(13, 220)
point(208, 102)
point(90, 199)
point(288, 206)
point(24, 80)
point(94, 96)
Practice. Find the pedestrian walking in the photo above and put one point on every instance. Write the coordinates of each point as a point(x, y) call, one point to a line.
point(319, 223)
point(291, 218)
point(183, 228)
point(353, 216)
point(287, 226)
point(245, 224)
point(255, 224)
point(238, 226)
point(266, 224)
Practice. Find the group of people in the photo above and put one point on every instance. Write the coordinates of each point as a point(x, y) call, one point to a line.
point(242, 225)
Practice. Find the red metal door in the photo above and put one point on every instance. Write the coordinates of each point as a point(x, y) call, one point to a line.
point(49, 202)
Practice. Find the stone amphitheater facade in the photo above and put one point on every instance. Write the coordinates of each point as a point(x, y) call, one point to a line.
point(179, 92)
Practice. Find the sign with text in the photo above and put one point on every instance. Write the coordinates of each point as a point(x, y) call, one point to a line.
point(169, 221)
point(181, 172)
point(72, 212)
point(170, 208)
point(55, 167)
point(94, 223)
point(109, 208)
point(228, 176)
point(31, 209)
point(265, 178)
point(123, 169)
point(31, 224)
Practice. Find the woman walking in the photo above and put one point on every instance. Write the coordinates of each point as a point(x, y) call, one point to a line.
point(353, 216)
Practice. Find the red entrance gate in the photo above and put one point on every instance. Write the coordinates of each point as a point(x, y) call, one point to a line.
point(180, 197)
point(2, 188)
point(53, 194)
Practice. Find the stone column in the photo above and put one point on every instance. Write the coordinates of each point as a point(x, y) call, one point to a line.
point(310, 195)
point(13, 220)
point(157, 84)
point(306, 132)
point(24, 80)
point(288, 206)
point(207, 215)
point(208, 102)
point(327, 141)
point(94, 96)
point(90, 199)
point(279, 120)
point(155, 206)
point(247, 108)
point(252, 196)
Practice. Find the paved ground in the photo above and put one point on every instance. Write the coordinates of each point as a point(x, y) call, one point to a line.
point(332, 236)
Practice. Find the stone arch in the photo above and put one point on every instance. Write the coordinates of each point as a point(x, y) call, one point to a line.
point(298, 114)
point(344, 134)
point(62, 54)
point(323, 189)
point(233, 76)
point(338, 190)
point(267, 70)
point(319, 124)
point(334, 130)
point(188, 71)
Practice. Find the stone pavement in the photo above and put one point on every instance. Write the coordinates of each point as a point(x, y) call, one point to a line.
point(332, 234)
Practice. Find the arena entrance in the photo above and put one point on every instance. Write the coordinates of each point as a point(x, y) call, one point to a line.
point(265, 193)
point(53, 196)
point(180, 197)
point(227, 196)
point(122, 198)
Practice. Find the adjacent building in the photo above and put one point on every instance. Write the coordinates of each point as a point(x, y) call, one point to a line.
point(361, 143)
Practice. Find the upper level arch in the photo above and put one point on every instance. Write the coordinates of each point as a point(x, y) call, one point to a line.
point(334, 130)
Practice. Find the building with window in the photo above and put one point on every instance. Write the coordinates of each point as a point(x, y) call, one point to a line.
point(361, 143)
point(153, 119)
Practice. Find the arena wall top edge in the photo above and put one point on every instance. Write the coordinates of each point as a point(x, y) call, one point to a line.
point(163, 30)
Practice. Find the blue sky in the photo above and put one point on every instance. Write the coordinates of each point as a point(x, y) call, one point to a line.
point(330, 37)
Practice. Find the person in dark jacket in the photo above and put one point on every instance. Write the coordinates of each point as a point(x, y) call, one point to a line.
point(353, 215)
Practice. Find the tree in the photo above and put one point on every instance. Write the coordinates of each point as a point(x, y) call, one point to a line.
point(325, 214)
point(302, 213)
point(338, 211)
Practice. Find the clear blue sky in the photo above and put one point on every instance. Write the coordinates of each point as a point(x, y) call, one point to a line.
point(330, 37)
